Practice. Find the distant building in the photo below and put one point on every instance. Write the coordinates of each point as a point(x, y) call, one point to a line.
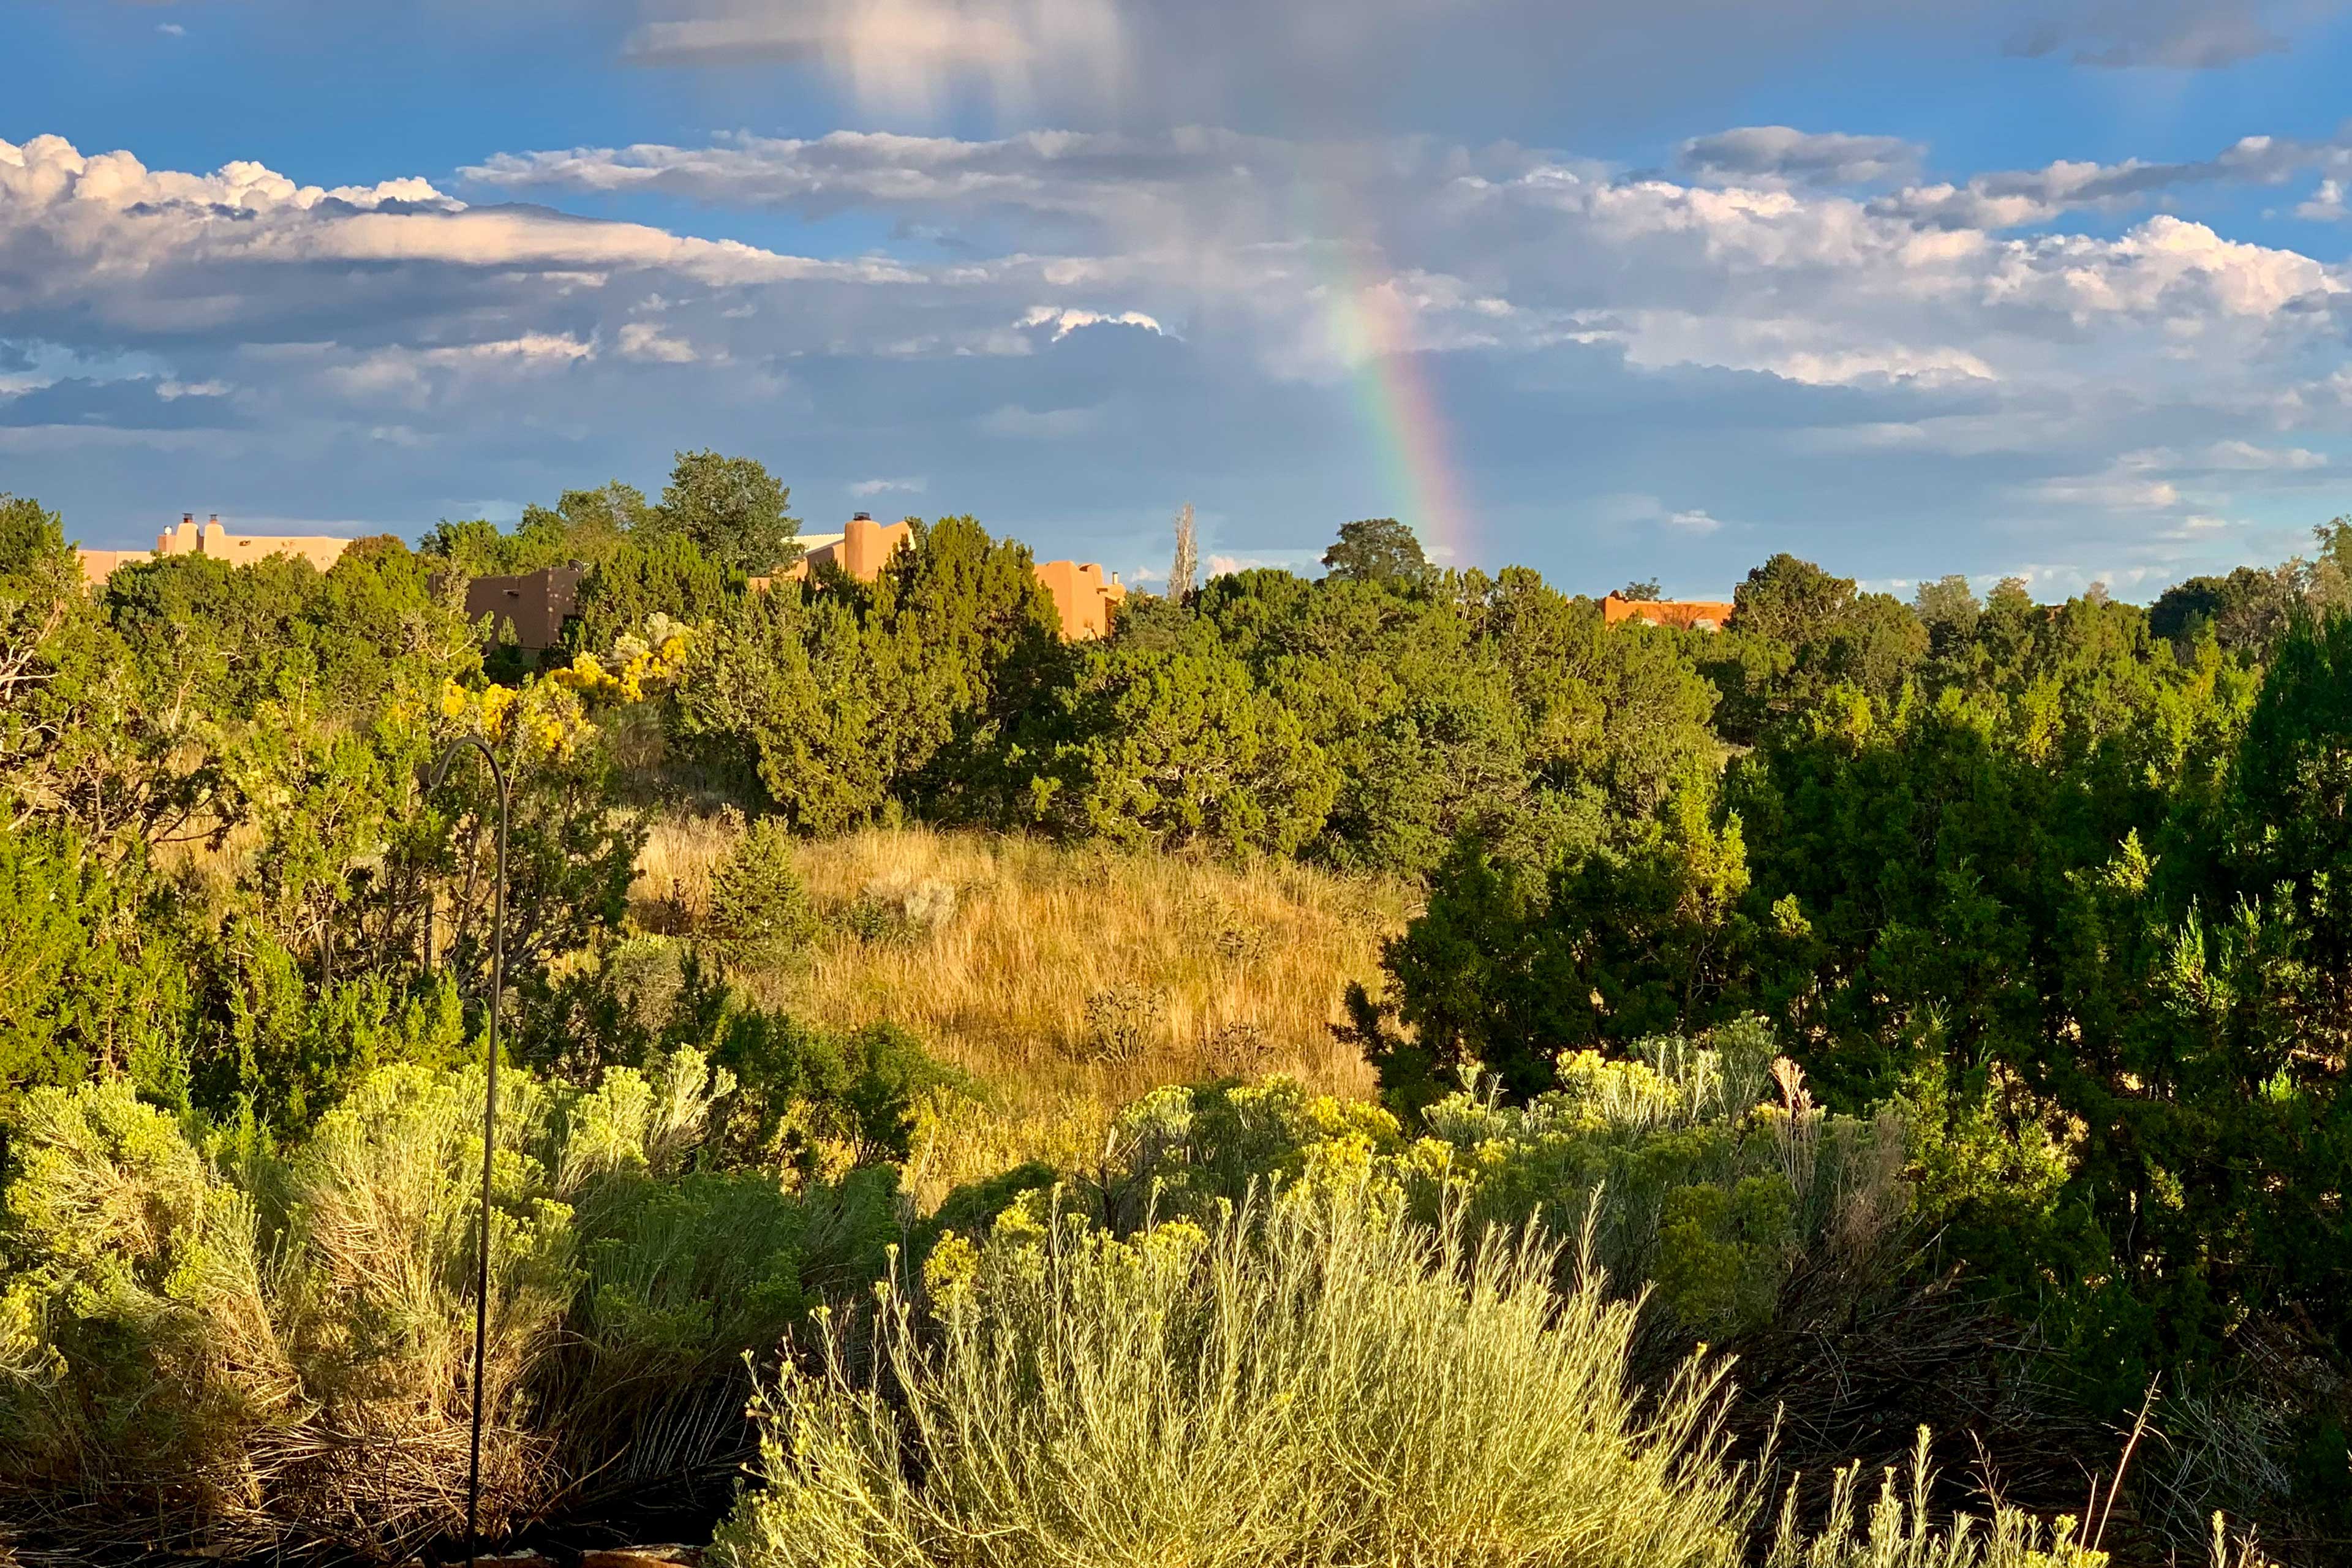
point(1683, 615)
point(98, 565)
point(861, 550)
point(535, 603)
point(213, 539)
point(1083, 600)
point(1086, 602)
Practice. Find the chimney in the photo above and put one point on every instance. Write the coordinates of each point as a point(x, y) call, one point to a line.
point(187, 520)
point(861, 517)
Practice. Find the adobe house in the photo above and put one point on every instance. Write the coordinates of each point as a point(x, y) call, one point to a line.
point(213, 539)
point(1083, 600)
point(861, 549)
point(536, 603)
point(1682, 615)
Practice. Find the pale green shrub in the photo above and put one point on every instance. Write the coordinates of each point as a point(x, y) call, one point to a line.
point(1304, 1383)
point(1314, 1381)
point(252, 1343)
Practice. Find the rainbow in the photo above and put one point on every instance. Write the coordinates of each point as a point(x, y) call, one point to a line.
point(1372, 331)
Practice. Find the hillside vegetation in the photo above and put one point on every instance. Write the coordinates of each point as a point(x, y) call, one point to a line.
point(1385, 1068)
point(1067, 980)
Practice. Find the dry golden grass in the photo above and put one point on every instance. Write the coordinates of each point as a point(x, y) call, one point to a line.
point(990, 948)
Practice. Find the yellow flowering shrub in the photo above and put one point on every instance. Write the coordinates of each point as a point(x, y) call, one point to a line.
point(637, 668)
point(1689, 1177)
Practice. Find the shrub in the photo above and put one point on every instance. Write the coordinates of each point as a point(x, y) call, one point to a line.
point(1313, 1379)
point(256, 1345)
point(1122, 1023)
point(1301, 1382)
point(759, 911)
point(1686, 1173)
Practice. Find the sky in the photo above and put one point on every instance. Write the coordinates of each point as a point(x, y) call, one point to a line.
point(1620, 290)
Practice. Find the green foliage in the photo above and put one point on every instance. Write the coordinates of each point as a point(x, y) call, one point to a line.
point(1304, 1382)
point(836, 703)
point(260, 1341)
point(666, 574)
point(759, 912)
point(93, 976)
point(1313, 1378)
point(1686, 1167)
point(1177, 749)
point(732, 511)
point(583, 526)
point(1378, 550)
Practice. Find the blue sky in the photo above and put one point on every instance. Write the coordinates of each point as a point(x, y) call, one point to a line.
point(1617, 290)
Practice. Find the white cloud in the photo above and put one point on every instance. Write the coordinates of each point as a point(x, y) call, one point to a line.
point(1694, 521)
point(171, 29)
point(2324, 205)
point(865, 489)
point(170, 391)
point(645, 341)
point(1065, 322)
point(2108, 493)
point(1224, 565)
point(1549, 307)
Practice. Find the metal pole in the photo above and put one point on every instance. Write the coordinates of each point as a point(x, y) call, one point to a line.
point(489, 1113)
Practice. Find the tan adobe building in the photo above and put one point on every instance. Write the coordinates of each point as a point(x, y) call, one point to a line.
point(1083, 600)
point(98, 565)
point(1682, 615)
point(213, 539)
point(861, 549)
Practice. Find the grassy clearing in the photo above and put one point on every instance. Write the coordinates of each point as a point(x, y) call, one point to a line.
point(1067, 980)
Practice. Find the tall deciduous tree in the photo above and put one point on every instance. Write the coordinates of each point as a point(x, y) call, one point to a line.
point(733, 509)
point(1377, 550)
point(1185, 566)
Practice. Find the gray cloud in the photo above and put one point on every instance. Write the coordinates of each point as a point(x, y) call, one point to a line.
point(1341, 64)
point(1778, 152)
point(2178, 35)
point(2015, 198)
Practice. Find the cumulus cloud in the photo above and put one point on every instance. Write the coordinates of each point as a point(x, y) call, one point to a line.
point(645, 341)
point(2014, 198)
point(1065, 322)
point(1559, 315)
point(867, 488)
point(2324, 205)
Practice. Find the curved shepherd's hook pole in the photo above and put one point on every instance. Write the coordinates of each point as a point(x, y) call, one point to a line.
point(489, 1109)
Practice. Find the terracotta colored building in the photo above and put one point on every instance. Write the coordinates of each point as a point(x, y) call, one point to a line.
point(1084, 602)
point(213, 539)
point(861, 550)
point(1683, 615)
point(536, 603)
